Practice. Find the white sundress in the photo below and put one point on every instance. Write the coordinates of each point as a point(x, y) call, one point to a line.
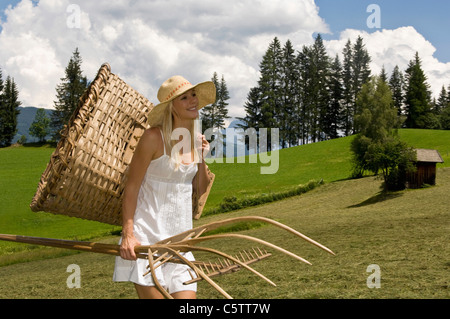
point(164, 209)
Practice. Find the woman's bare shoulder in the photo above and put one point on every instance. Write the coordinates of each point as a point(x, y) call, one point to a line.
point(151, 141)
point(153, 134)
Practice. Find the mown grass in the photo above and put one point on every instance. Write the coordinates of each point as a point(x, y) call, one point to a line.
point(405, 233)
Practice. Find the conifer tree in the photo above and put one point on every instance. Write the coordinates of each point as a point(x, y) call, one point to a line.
point(2, 110)
point(445, 113)
point(360, 70)
point(441, 102)
point(383, 75)
point(303, 63)
point(288, 118)
point(1, 84)
point(315, 73)
point(214, 115)
point(347, 93)
point(209, 112)
point(9, 110)
point(224, 96)
point(334, 117)
point(448, 94)
point(68, 94)
point(269, 85)
point(321, 78)
point(252, 109)
point(396, 84)
point(417, 96)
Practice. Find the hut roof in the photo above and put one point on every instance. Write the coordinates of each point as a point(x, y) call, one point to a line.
point(429, 156)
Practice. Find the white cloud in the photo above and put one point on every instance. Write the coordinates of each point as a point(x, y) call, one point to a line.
point(397, 47)
point(146, 42)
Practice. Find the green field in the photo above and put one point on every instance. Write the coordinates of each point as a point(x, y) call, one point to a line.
point(406, 233)
point(20, 171)
point(329, 160)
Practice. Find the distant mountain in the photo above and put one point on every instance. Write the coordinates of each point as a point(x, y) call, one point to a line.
point(235, 123)
point(24, 120)
point(28, 113)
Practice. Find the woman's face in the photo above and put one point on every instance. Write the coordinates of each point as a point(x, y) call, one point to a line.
point(185, 106)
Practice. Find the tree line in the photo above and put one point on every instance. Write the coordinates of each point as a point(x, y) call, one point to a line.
point(312, 97)
point(307, 94)
point(68, 93)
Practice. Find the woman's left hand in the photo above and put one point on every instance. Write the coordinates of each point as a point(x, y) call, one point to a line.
point(202, 146)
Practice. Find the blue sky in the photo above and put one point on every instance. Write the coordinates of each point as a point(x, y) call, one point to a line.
point(428, 17)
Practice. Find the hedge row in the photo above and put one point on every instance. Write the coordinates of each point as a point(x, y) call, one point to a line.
point(230, 203)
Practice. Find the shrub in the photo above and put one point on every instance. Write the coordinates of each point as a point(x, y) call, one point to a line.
point(230, 203)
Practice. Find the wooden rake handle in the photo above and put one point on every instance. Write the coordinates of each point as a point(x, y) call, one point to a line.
point(86, 246)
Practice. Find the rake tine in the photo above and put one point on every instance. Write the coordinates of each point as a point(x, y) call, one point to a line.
point(157, 265)
point(199, 233)
point(215, 225)
point(206, 267)
point(263, 242)
point(214, 251)
point(247, 254)
point(189, 235)
point(192, 277)
point(155, 279)
point(161, 257)
point(201, 274)
point(233, 267)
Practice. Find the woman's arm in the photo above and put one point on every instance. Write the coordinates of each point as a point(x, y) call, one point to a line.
point(145, 151)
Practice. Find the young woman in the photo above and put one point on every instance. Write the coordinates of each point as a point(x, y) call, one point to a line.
point(157, 201)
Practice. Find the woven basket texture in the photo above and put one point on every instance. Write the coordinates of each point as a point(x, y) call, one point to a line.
point(86, 174)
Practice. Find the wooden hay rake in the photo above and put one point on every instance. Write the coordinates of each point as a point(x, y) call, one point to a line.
point(87, 172)
point(170, 249)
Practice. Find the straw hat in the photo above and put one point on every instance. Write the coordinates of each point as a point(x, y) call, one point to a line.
point(176, 86)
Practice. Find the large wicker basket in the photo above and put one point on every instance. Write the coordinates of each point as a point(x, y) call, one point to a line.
point(86, 174)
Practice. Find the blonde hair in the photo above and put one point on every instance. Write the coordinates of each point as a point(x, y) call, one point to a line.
point(167, 129)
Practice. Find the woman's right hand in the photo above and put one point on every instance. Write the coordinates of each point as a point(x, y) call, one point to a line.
point(127, 247)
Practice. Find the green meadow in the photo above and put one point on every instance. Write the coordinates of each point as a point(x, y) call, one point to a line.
point(406, 233)
point(328, 160)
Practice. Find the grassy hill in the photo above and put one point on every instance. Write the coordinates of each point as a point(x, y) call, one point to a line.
point(405, 234)
point(328, 160)
point(21, 168)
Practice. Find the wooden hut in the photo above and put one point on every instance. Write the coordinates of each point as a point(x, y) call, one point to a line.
point(426, 168)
